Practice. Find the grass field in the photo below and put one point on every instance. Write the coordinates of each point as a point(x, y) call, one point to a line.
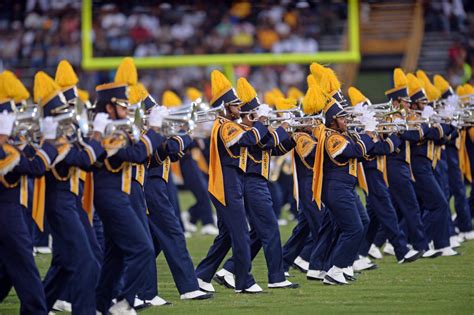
point(443, 285)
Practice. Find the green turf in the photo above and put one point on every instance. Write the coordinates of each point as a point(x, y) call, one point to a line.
point(431, 286)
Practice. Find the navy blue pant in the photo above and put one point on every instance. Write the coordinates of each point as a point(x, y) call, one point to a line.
point(277, 197)
point(382, 213)
point(127, 248)
point(17, 265)
point(327, 238)
point(265, 231)
point(233, 232)
point(168, 235)
point(96, 248)
point(297, 241)
point(340, 199)
point(404, 199)
point(432, 201)
point(441, 175)
point(174, 199)
point(98, 230)
point(149, 288)
point(457, 189)
point(286, 184)
point(195, 181)
point(76, 270)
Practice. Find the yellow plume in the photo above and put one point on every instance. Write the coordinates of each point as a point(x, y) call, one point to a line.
point(13, 87)
point(278, 93)
point(245, 91)
point(219, 83)
point(126, 72)
point(193, 94)
point(170, 99)
point(317, 71)
point(65, 75)
point(414, 85)
point(314, 100)
point(44, 87)
point(468, 89)
point(285, 103)
point(356, 96)
point(460, 90)
point(83, 95)
point(137, 93)
point(432, 93)
point(295, 93)
point(325, 84)
point(3, 93)
point(334, 83)
point(269, 98)
point(399, 78)
point(421, 75)
point(440, 83)
point(311, 81)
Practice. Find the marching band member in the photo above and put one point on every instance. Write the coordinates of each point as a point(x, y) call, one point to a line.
point(456, 149)
point(379, 205)
point(335, 174)
point(228, 158)
point(399, 170)
point(195, 180)
point(428, 191)
point(128, 250)
point(16, 245)
point(67, 80)
point(77, 264)
point(261, 216)
point(166, 230)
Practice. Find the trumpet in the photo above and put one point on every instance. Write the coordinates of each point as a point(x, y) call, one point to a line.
point(123, 132)
point(73, 123)
point(210, 114)
point(174, 124)
point(27, 126)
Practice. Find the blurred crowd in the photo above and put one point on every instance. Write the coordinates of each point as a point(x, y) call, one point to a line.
point(36, 34)
point(454, 19)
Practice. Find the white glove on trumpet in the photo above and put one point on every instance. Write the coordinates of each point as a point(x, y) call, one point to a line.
point(157, 115)
point(101, 121)
point(49, 128)
point(6, 123)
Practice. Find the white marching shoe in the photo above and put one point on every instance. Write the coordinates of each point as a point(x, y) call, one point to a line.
point(122, 308)
point(282, 222)
point(334, 276)
point(44, 250)
point(448, 251)
point(283, 285)
point(431, 252)
point(225, 278)
point(363, 263)
point(62, 306)
point(388, 249)
point(287, 274)
point(315, 275)
point(206, 286)
point(411, 256)
point(301, 264)
point(254, 289)
point(468, 236)
point(188, 226)
point(196, 295)
point(209, 229)
point(348, 273)
point(375, 252)
point(454, 241)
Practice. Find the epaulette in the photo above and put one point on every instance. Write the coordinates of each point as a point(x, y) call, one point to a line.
point(11, 159)
point(304, 143)
point(230, 132)
point(63, 149)
point(335, 143)
point(113, 144)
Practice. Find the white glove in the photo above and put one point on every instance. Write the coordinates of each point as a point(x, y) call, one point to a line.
point(101, 121)
point(6, 123)
point(263, 110)
point(158, 113)
point(428, 111)
point(399, 121)
point(453, 100)
point(447, 111)
point(49, 128)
